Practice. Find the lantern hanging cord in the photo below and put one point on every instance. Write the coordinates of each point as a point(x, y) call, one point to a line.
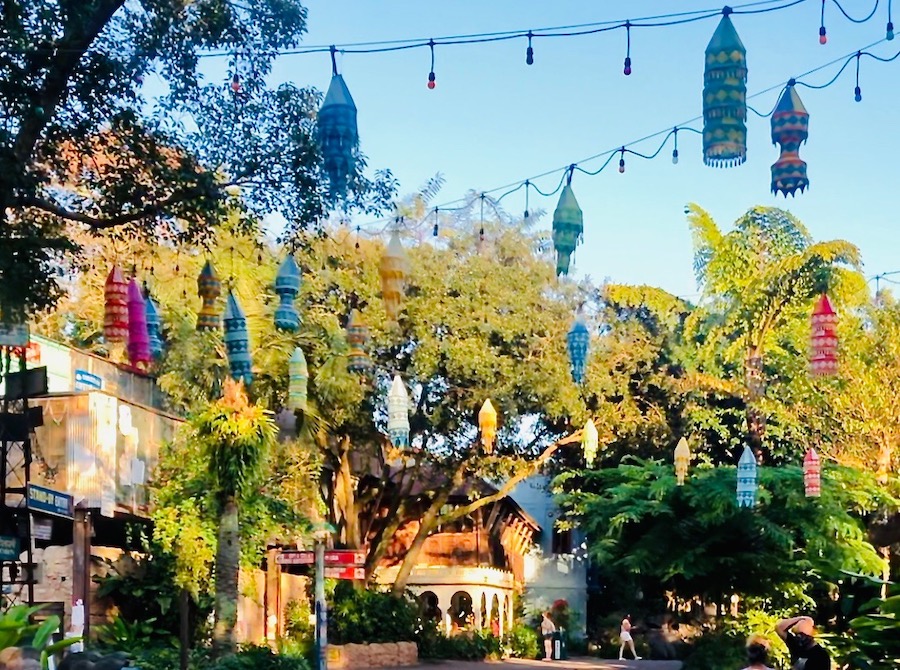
point(853, 20)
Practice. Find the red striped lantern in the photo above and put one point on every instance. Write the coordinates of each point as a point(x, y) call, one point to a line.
point(115, 317)
point(812, 474)
point(823, 356)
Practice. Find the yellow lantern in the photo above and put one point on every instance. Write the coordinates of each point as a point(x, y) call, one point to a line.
point(589, 442)
point(487, 422)
point(682, 459)
point(393, 270)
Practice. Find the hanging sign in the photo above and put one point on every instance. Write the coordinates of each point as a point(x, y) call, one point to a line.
point(345, 573)
point(85, 381)
point(296, 558)
point(48, 501)
point(9, 548)
point(42, 529)
point(14, 335)
point(344, 557)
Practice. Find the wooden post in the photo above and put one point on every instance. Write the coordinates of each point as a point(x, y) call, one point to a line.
point(81, 571)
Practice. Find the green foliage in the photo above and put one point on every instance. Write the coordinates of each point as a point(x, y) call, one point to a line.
point(873, 642)
point(716, 649)
point(464, 646)
point(369, 615)
point(523, 641)
point(131, 636)
point(17, 630)
point(260, 658)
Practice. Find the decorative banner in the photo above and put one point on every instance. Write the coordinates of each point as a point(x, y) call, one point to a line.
point(568, 227)
point(590, 443)
point(824, 342)
point(298, 382)
point(487, 424)
point(682, 460)
point(287, 286)
point(398, 413)
point(790, 128)
point(237, 341)
point(393, 269)
point(138, 332)
point(337, 133)
point(578, 341)
point(746, 479)
point(209, 288)
point(725, 97)
point(115, 318)
point(812, 474)
point(358, 360)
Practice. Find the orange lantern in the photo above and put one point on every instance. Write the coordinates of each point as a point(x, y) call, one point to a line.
point(115, 316)
point(487, 422)
point(682, 460)
point(393, 271)
point(824, 342)
point(812, 474)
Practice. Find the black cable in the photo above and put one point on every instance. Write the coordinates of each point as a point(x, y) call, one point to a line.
point(850, 18)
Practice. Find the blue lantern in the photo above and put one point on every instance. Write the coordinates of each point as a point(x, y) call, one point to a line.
point(287, 286)
point(154, 325)
point(237, 342)
point(337, 133)
point(746, 479)
point(568, 227)
point(578, 340)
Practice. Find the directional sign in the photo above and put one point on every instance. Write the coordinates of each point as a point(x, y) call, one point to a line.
point(345, 557)
point(51, 502)
point(345, 573)
point(296, 558)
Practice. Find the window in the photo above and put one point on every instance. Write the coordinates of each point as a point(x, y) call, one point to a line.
point(562, 541)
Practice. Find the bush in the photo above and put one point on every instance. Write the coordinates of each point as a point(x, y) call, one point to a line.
point(261, 658)
point(524, 642)
point(169, 658)
point(464, 646)
point(371, 616)
point(716, 649)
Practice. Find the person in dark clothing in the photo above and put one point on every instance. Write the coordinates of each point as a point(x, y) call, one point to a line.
point(798, 634)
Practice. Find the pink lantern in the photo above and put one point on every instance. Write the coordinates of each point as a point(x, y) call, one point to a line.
point(824, 342)
point(115, 317)
point(812, 474)
point(138, 335)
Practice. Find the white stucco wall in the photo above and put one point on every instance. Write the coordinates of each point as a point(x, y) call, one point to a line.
point(549, 577)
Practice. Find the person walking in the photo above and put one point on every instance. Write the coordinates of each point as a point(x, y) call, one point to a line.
point(798, 634)
point(547, 630)
point(757, 653)
point(626, 638)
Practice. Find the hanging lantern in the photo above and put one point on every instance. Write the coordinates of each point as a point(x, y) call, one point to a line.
point(725, 97)
point(287, 286)
point(812, 474)
point(237, 342)
point(154, 326)
point(358, 360)
point(790, 128)
point(746, 479)
point(115, 316)
point(209, 288)
point(487, 423)
point(568, 228)
point(590, 442)
point(578, 341)
point(824, 342)
point(682, 460)
point(393, 271)
point(337, 134)
point(297, 384)
point(398, 413)
point(138, 335)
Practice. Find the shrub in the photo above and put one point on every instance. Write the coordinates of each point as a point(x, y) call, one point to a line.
point(371, 616)
point(524, 642)
point(716, 649)
point(261, 658)
point(464, 646)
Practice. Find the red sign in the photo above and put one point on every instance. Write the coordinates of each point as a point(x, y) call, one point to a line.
point(345, 557)
point(296, 558)
point(345, 573)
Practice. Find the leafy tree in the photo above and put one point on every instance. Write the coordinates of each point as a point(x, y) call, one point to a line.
point(84, 142)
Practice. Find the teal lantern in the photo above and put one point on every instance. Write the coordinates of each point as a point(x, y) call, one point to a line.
point(746, 479)
point(725, 97)
point(578, 341)
point(790, 128)
point(154, 327)
point(287, 286)
point(337, 132)
point(298, 382)
point(568, 227)
point(237, 342)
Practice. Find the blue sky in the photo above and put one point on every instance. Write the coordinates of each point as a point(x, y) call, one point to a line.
point(493, 120)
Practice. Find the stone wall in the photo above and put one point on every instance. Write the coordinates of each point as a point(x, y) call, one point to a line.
point(383, 655)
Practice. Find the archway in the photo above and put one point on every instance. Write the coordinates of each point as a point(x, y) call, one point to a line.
point(460, 610)
point(428, 606)
point(496, 619)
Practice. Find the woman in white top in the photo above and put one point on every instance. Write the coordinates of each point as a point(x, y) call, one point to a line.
point(625, 638)
point(547, 630)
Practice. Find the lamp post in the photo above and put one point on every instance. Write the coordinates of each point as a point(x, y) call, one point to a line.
point(321, 534)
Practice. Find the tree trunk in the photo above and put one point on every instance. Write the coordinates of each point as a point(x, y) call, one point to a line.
point(756, 422)
point(228, 554)
point(426, 525)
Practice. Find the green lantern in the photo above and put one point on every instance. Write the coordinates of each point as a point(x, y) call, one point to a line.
point(568, 228)
point(725, 97)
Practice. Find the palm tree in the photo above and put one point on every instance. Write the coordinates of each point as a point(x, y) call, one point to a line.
point(237, 438)
point(754, 278)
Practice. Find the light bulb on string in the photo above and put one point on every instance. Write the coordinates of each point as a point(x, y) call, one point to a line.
point(823, 34)
point(527, 187)
point(357, 237)
point(627, 69)
point(622, 160)
point(434, 232)
point(675, 150)
point(889, 33)
point(236, 83)
point(431, 82)
point(857, 91)
point(529, 52)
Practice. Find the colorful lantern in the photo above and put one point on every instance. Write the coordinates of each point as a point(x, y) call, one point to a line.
point(824, 342)
point(725, 97)
point(578, 341)
point(568, 228)
point(298, 375)
point(287, 286)
point(154, 327)
point(393, 271)
point(358, 360)
point(790, 128)
point(812, 474)
point(682, 460)
point(237, 342)
point(487, 423)
point(746, 479)
point(338, 135)
point(590, 442)
point(398, 413)
point(115, 316)
point(209, 288)
point(138, 335)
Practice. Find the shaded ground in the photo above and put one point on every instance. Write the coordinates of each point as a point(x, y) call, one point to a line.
point(580, 663)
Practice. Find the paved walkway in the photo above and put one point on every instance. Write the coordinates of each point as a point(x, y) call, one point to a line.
point(578, 663)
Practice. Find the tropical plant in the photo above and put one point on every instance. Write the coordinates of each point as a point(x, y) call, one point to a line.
point(131, 636)
point(17, 630)
point(523, 641)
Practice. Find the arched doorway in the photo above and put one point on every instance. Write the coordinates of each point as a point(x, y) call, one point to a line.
point(496, 625)
point(460, 610)
point(428, 606)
